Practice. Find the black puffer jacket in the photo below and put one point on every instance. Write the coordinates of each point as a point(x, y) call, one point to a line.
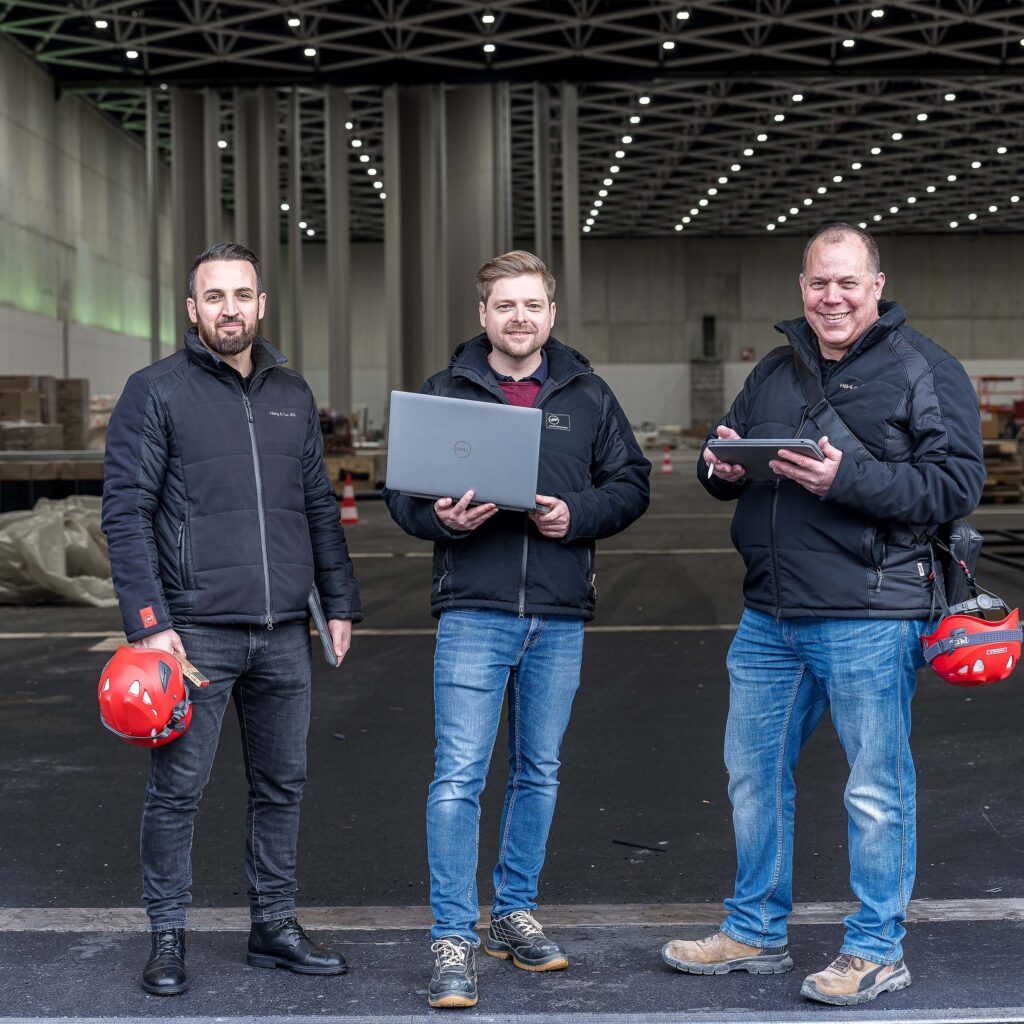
point(855, 553)
point(595, 467)
point(216, 502)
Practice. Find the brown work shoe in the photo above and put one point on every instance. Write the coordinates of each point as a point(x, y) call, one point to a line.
point(718, 954)
point(849, 980)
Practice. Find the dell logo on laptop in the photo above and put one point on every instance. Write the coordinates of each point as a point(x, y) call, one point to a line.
point(462, 449)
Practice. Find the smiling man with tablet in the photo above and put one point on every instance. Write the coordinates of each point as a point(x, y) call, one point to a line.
point(836, 594)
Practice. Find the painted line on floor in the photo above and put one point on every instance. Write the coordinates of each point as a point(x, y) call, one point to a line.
point(406, 918)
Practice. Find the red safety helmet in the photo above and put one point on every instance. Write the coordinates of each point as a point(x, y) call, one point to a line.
point(144, 697)
point(967, 650)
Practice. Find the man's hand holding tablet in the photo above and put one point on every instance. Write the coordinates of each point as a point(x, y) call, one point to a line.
point(459, 517)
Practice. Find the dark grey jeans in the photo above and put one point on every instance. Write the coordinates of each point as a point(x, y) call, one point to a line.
point(267, 672)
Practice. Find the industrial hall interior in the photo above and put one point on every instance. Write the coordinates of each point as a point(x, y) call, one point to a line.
point(544, 479)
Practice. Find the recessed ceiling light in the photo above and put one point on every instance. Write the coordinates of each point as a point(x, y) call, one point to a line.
point(383, 195)
point(875, 150)
point(590, 220)
point(643, 100)
point(309, 51)
point(371, 171)
point(302, 224)
point(723, 180)
point(863, 224)
point(686, 220)
point(748, 152)
point(614, 169)
point(702, 202)
point(364, 158)
point(683, 15)
point(837, 178)
point(310, 232)
point(627, 139)
point(222, 144)
point(993, 209)
point(598, 204)
point(896, 136)
point(762, 137)
point(694, 212)
point(848, 43)
point(808, 201)
point(855, 166)
point(101, 23)
point(950, 97)
point(780, 118)
point(877, 217)
point(489, 47)
point(294, 22)
point(607, 181)
point(586, 228)
point(781, 218)
point(668, 45)
point(593, 213)
point(131, 54)
point(1014, 199)
point(619, 154)
point(894, 209)
point(349, 126)
point(972, 216)
point(953, 224)
point(822, 190)
point(735, 168)
point(878, 13)
point(975, 164)
point(163, 87)
point(285, 207)
point(357, 143)
point(950, 177)
point(712, 191)
point(378, 184)
point(634, 119)
point(769, 227)
point(930, 188)
point(487, 19)
point(794, 210)
point(922, 117)
point(679, 227)
point(911, 199)
point(1001, 150)
point(603, 193)
point(798, 97)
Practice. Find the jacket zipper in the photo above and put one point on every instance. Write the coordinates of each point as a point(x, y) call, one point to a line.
point(182, 567)
point(447, 570)
point(522, 577)
point(259, 509)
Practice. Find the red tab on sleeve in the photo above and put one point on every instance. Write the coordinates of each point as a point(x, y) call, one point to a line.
point(147, 616)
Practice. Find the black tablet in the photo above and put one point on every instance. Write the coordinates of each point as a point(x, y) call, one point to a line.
point(754, 453)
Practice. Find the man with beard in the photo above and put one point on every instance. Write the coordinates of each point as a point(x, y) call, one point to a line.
point(512, 591)
point(220, 517)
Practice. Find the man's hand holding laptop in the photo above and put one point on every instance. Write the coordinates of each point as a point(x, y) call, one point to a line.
point(461, 518)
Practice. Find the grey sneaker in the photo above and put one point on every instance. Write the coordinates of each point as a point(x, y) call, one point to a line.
point(719, 954)
point(519, 937)
point(849, 980)
point(453, 982)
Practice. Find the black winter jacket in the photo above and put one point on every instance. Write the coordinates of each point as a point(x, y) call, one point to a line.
point(595, 467)
point(216, 502)
point(857, 552)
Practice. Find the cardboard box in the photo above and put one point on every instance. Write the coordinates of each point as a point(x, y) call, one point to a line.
point(30, 437)
point(73, 412)
point(993, 421)
point(19, 406)
point(46, 386)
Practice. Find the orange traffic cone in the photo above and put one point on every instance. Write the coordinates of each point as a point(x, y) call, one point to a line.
point(349, 512)
point(666, 462)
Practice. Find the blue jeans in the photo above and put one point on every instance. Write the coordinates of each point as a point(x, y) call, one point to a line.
point(267, 672)
point(479, 653)
point(783, 675)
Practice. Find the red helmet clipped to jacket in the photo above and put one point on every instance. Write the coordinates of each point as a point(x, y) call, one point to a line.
point(970, 651)
point(144, 697)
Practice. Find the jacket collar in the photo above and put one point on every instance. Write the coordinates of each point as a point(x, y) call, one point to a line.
point(470, 360)
point(264, 355)
point(799, 334)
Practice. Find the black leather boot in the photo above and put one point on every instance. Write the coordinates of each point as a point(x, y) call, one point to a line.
point(284, 944)
point(164, 973)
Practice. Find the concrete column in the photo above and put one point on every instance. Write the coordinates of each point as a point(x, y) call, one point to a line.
point(570, 322)
point(213, 212)
point(152, 224)
point(269, 210)
point(415, 236)
point(339, 328)
point(478, 179)
point(188, 200)
point(543, 245)
point(247, 168)
point(295, 233)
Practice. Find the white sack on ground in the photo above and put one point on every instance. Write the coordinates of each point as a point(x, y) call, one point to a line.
point(55, 553)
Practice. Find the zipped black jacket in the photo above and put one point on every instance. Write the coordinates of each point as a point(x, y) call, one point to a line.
point(857, 552)
point(216, 502)
point(595, 466)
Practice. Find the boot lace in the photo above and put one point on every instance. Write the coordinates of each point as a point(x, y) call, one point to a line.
point(167, 942)
point(450, 955)
point(841, 964)
point(525, 922)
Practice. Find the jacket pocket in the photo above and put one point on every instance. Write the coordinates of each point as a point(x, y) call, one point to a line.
point(184, 570)
point(444, 581)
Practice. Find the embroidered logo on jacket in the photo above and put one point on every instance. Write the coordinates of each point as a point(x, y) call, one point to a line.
point(147, 616)
point(556, 420)
point(274, 412)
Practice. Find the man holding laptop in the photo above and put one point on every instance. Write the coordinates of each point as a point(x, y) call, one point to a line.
point(512, 590)
point(837, 595)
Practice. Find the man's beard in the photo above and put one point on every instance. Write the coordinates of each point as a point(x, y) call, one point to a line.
point(230, 345)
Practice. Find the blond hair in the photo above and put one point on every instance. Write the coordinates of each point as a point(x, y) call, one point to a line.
point(513, 264)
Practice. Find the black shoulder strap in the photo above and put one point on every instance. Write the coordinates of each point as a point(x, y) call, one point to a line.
point(827, 419)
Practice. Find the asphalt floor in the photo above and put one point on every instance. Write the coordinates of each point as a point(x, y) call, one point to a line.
point(641, 848)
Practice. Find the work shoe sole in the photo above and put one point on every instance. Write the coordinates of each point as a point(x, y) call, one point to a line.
point(263, 960)
point(503, 951)
point(898, 979)
point(451, 1001)
point(164, 990)
point(771, 963)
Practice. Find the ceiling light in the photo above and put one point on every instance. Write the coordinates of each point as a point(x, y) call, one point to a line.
point(285, 207)
point(487, 19)
point(383, 195)
point(794, 210)
point(822, 190)
point(614, 169)
point(894, 209)
point(163, 87)
point(357, 143)
point(686, 220)
point(294, 22)
point(837, 178)
point(950, 97)
point(378, 184)
point(712, 191)
point(975, 164)
point(972, 216)
point(930, 188)
point(848, 43)
point(770, 227)
point(310, 232)
point(131, 54)
point(643, 100)
point(489, 47)
point(586, 228)
point(735, 167)
point(619, 154)
point(302, 224)
point(878, 13)
point(364, 158)
point(808, 201)
point(593, 213)
point(1014, 199)
point(603, 193)
point(762, 137)
point(798, 97)
point(780, 118)
point(679, 227)
point(911, 200)
point(371, 171)
point(748, 152)
point(627, 139)
point(863, 224)
point(598, 204)
point(634, 119)
point(101, 23)
point(349, 126)
point(992, 209)
point(723, 180)
point(896, 136)
point(922, 117)
point(875, 150)
point(683, 15)
point(781, 218)
point(950, 177)
point(668, 45)
point(694, 212)
point(877, 217)
point(309, 51)
point(953, 224)
point(1001, 150)
point(702, 202)
point(607, 181)
point(590, 220)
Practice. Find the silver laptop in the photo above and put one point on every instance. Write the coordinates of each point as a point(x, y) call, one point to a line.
point(442, 447)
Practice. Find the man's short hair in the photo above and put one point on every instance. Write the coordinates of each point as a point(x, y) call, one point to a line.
point(836, 232)
point(225, 251)
point(513, 264)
